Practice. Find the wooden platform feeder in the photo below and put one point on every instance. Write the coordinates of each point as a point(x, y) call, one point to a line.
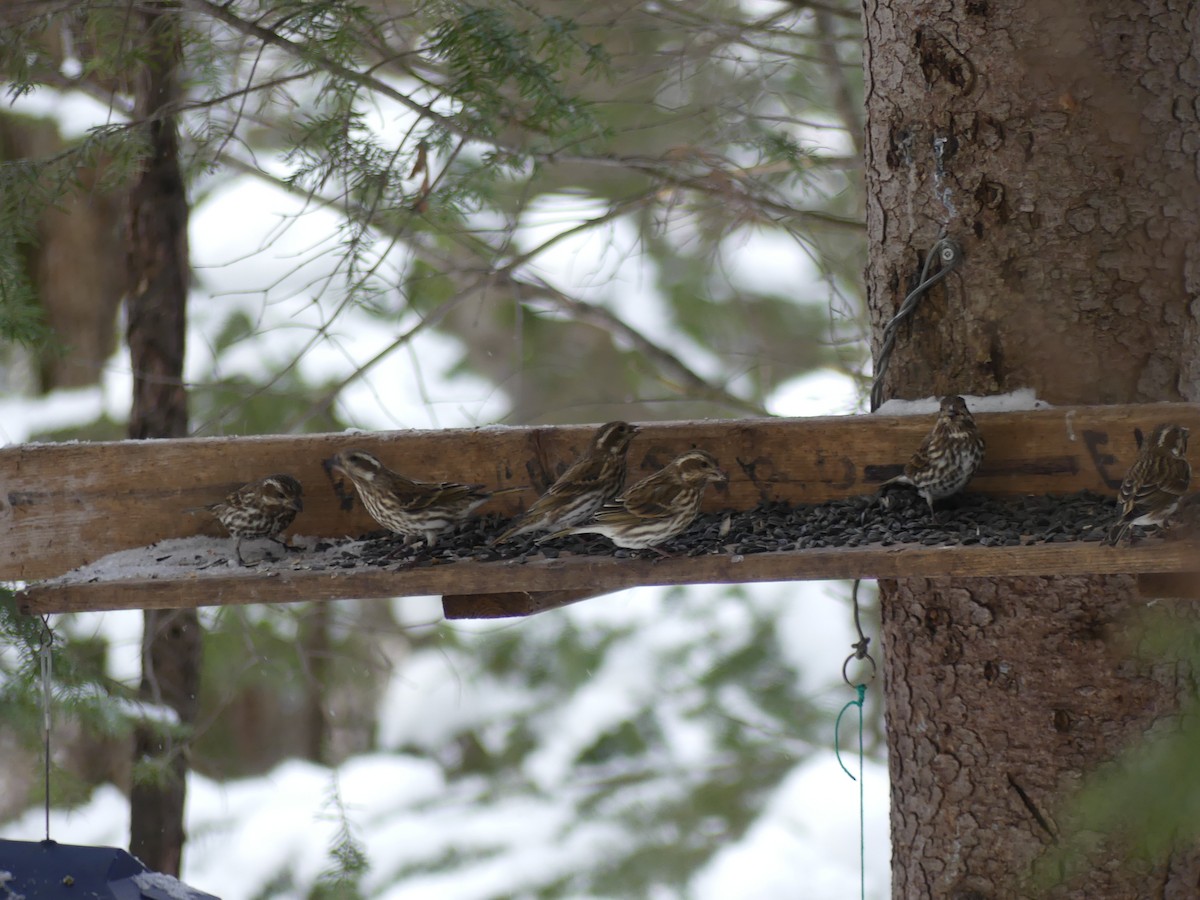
point(66, 505)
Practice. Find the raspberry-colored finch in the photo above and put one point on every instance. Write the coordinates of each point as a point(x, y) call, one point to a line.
point(579, 492)
point(948, 456)
point(404, 506)
point(657, 508)
point(259, 509)
point(1155, 483)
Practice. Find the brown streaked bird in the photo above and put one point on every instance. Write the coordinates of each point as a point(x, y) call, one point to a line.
point(657, 508)
point(258, 509)
point(948, 457)
point(1155, 483)
point(579, 492)
point(404, 506)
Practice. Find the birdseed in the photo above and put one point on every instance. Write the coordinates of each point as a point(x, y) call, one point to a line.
point(861, 521)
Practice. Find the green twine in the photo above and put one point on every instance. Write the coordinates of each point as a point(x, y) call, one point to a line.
point(862, 840)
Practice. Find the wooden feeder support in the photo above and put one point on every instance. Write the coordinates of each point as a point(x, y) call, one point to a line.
point(65, 505)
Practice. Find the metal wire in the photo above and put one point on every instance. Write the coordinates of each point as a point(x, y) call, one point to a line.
point(949, 253)
point(46, 659)
point(860, 646)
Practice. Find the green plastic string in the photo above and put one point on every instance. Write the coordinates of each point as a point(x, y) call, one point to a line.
point(862, 818)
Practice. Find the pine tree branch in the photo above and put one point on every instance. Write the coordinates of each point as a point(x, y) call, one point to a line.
point(716, 183)
point(686, 380)
point(311, 57)
point(673, 368)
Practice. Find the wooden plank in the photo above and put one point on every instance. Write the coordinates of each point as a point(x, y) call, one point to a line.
point(1171, 585)
point(511, 603)
point(65, 505)
point(581, 575)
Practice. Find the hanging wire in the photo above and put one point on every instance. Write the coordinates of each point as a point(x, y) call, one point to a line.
point(46, 659)
point(862, 816)
point(860, 646)
point(949, 253)
point(860, 652)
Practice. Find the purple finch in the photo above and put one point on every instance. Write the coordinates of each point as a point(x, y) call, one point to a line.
point(657, 508)
point(259, 509)
point(590, 482)
point(404, 506)
point(948, 456)
point(1155, 483)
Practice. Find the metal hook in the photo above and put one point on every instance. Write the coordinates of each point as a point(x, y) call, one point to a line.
point(860, 646)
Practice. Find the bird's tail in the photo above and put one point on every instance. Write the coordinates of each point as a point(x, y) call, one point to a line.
point(1116, 532)
point(562, 532)
point(510, 532)
point(509, 490)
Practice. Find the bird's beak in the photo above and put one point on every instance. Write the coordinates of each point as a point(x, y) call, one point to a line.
point(298, 504)
point(333, 464)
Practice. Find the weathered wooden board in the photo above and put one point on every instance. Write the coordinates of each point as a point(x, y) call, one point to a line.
point(520, 588)
point(65, 505)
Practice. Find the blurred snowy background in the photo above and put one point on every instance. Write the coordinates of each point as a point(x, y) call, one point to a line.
point(653, 743)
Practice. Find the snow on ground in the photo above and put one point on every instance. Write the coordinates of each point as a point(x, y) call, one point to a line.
point(404, 814)
point(810, 825)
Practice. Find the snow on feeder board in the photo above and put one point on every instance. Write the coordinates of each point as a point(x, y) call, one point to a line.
point(101, 526)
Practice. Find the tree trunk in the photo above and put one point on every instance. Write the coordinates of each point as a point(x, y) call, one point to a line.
point(1056, 142)
point(75, 265)
point(155, 305)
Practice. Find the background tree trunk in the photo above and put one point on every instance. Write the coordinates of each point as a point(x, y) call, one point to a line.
point(76, 264)
point(156, 303)
point(1056, 142)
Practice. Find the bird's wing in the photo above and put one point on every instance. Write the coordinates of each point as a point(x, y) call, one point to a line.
point(1178, 477)
point(579, 478)
point(1140, 486)
point(650, 498)
point(416, 495)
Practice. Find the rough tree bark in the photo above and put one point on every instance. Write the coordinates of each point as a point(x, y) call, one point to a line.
point(1057, 142)
point(157, 253)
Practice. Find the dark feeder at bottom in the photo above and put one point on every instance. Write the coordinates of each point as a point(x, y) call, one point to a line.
point(48, 870)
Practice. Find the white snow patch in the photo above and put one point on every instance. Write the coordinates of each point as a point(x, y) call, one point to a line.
point(434, 697)
point(22, 416)
point(770, 261)
point(103, 821)
point(121, 629)
point(199, 556)
point(74, 111)
point(805, 844)
point(1013, 401)
point(814, 630)
point(823, 392)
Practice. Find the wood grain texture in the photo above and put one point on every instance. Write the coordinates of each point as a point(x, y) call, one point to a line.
point(65, 505)
point(570, 578)
point(1171, 585)
point(503, 605)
